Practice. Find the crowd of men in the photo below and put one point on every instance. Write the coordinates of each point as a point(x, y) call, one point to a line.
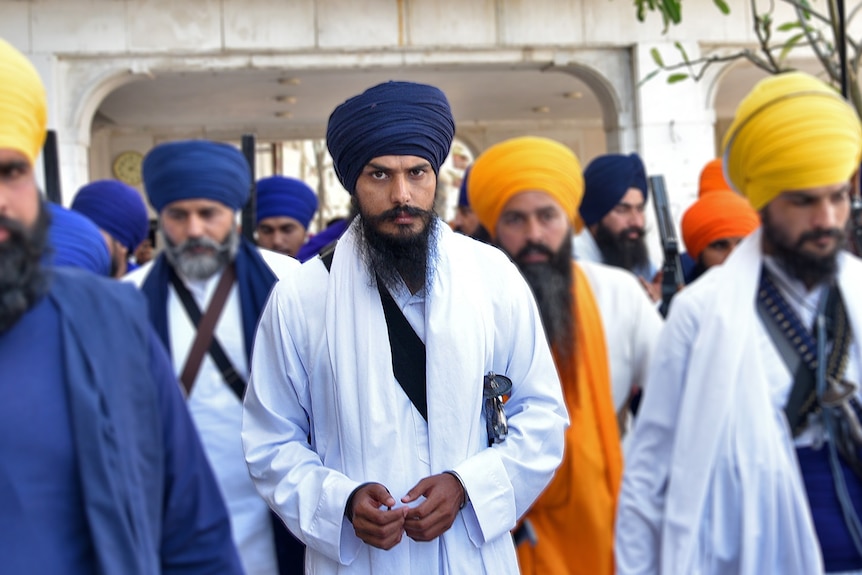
point(395, 394)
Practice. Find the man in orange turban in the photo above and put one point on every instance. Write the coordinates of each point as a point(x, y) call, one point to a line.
point(601, 326)
point(746, 453)
point(714, 225)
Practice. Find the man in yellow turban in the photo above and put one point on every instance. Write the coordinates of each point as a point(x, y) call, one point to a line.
point(746, 453)
point(102, 468)
point(601, 326)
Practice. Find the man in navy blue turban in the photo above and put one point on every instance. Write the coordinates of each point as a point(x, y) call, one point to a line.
point(198, 186)
point(363, 423)
point(76, 242)
point(615, 196)
point(101, 470)
point(285, 207)
point(120, 213)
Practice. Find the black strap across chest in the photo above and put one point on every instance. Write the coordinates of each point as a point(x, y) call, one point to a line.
point(408, 350)
point(231, 377)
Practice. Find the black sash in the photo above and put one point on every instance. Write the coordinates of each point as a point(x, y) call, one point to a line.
point(408, 350)
point(233, 379)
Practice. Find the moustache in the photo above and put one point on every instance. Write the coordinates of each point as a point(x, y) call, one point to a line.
point(194, 244)
point(815, 235)
point(637, 231)
point(394, 213)
point(15, 228)
point(534, 248)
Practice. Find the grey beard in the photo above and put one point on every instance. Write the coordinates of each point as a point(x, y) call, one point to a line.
point(202, 266)
point(22, 278)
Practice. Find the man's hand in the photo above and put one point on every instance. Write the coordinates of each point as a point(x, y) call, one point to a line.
point(434, 516)
point(378, 527)
point(653, 288)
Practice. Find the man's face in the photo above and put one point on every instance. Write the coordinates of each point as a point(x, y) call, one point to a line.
point(281, 234)
point(716, 252)
point(23, 237)
point(390, 188)
point(19, 196)
point(532, 227)
point(627, 217)
point(806, 229)
point(201, 236)
point(466, 222)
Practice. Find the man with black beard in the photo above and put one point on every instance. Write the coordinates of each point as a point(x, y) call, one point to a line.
point(205, 292)
point(747, 453)
point(601, 327)
point(365, 419)
point(615, 196)
point(101, 470)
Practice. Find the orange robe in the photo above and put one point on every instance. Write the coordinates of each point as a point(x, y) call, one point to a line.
point(574, 517)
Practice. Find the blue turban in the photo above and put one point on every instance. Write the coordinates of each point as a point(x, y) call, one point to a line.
point(278, 196)
point(606, 181)
point(390, 119)
point(116, 208)
point(76, 242)
point(463, 199)
point(196, 169)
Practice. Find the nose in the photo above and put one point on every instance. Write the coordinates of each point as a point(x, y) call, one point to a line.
point(825, 216)
point(535, 231)
point(195, 226)
point(400, 191)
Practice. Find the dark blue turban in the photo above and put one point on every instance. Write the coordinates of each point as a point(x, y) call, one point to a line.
point(278, 196)
point(390, 119)
point(76, 242)
point(116, 208)
point(196, 169)
point(463, 199)
point(606, 181)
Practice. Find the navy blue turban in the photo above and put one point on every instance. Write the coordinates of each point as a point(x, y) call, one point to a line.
point(606, 181)
point(76, 242)
point(390, 119)
point(196, 169)
point(279, 196)
point(116, 208)
point(463, 199)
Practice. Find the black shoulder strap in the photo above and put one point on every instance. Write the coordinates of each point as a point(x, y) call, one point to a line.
point(408, 352)
point(233, 379)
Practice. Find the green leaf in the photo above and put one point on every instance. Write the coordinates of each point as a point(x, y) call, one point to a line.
point(789, 45)
point(656, 57)
point(722, 5)
point(678, 77)
point(673, 10)
point(787, 26)
point(648, 77)
point(682, 52)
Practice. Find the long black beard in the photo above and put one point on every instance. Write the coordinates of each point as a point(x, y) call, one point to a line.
point(620, 251)
point(807, 268)
point(392, 258)
point(551, 283)
point(23, 279)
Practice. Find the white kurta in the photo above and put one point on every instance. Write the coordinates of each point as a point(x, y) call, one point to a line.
point(217, 412)
point(711, 483)
point(322, 369)
point(631, 323)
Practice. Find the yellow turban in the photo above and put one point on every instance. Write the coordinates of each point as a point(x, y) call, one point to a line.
point(23, 109)
point(520, 165)
point(791, 132)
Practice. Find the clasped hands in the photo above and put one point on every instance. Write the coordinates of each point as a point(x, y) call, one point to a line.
point(378, 522)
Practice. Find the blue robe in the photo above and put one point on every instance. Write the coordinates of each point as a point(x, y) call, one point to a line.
point(149, 500)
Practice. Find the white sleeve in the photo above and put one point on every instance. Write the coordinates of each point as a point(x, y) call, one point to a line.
point(290, 476)
point(641, 506)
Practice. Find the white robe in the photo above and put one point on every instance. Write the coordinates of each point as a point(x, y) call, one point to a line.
point(711, 483)
point(631, 324)
point(322, 368)
point(217, 413)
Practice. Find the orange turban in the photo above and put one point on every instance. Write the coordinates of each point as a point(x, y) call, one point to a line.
point(712, 178)
point(717, 215)
point(791, 132)
point(521, 165)
point(23, 107)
